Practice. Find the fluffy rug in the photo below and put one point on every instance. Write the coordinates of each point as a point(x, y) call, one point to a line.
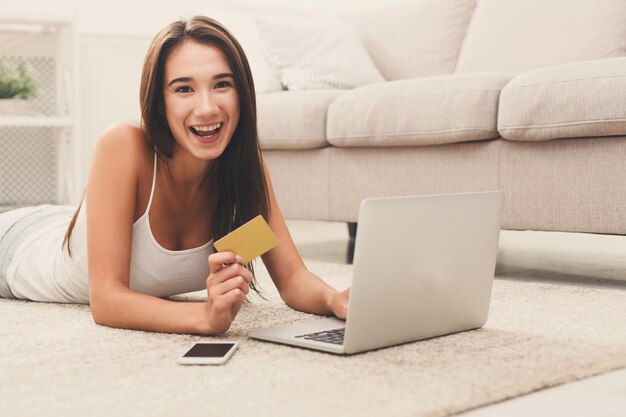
point(55, 361)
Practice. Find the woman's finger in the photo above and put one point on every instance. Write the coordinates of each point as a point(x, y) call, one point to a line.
point(227, 272)
point(231, 284)
point(219, 260)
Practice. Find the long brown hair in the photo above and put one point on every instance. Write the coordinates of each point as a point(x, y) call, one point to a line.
point(241, 188)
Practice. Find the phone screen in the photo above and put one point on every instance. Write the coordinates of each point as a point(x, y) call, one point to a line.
point(209, 350)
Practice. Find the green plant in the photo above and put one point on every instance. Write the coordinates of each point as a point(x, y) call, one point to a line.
point(17, 84)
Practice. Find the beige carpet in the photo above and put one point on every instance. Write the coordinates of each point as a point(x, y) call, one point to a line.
point(54, 361)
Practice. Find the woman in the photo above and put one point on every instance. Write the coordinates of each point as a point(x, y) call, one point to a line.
point(158, 195)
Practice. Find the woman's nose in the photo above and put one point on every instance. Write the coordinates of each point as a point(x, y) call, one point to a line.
point(207, 105)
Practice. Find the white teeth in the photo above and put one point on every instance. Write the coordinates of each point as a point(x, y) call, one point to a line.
point(208, 128)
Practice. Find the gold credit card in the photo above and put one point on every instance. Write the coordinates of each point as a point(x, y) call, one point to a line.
point(249, 240)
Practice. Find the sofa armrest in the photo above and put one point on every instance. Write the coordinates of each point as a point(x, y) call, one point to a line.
point(582, 99)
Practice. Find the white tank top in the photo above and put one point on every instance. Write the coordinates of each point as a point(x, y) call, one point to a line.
point(42, 271)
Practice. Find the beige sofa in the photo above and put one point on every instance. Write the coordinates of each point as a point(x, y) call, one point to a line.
point(524, 96)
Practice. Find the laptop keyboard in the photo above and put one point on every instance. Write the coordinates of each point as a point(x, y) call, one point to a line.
point(334, 336)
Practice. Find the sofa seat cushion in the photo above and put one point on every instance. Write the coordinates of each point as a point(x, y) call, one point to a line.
point(294, 119)
point(583, 99)
point(418, 112)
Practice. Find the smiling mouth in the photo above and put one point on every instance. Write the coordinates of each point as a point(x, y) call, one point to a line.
point(206, 131)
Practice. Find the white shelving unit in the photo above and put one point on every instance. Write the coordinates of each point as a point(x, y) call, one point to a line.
point(36, 121)
point(39, 153)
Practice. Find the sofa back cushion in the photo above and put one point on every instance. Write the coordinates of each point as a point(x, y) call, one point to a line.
point(415, 38)
point(519, 35)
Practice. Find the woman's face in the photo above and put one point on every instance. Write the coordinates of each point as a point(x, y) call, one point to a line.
point(201, 100)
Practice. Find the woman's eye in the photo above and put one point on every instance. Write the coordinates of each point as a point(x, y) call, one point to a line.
point(223, 84)
point(183, 89)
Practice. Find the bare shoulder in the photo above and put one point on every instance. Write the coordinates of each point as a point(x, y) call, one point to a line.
point(122, 140)
point(119, 159)
point(122, 148)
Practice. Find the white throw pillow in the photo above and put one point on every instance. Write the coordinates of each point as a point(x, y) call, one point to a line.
point(317, 54)
point(244, 28)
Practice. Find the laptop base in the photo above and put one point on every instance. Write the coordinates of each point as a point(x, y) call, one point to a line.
point(287, 334)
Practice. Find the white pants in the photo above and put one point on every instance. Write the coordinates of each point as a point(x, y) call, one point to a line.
point(15, 227)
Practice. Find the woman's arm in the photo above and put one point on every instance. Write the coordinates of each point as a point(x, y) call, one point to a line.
point(298, 287)
point(112, 193)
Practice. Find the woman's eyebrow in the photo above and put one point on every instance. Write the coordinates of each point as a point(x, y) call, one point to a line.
point(223, 75)
point(180, 80)
point(188, 79)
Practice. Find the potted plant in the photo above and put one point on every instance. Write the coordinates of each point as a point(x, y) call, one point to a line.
point(17, 87)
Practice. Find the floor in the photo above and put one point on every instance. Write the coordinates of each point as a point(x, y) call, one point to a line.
point(575, 258)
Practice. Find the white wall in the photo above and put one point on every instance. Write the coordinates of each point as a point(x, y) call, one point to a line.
point(334, 5)
point(114, 36)
point(118, 17)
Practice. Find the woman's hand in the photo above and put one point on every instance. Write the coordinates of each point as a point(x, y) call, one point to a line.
point(339, 303)
point(227, 286)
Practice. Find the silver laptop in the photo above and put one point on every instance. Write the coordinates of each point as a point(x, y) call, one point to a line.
point(423, 267)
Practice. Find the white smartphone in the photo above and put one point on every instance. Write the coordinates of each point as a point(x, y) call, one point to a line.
point(208, 353)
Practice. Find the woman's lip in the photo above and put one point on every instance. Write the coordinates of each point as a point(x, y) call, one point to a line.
point(205, 124)
point(209, 139)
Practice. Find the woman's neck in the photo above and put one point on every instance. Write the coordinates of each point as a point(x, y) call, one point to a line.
point(189, 175)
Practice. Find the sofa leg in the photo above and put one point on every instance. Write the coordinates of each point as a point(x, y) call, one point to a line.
point(352, 234)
